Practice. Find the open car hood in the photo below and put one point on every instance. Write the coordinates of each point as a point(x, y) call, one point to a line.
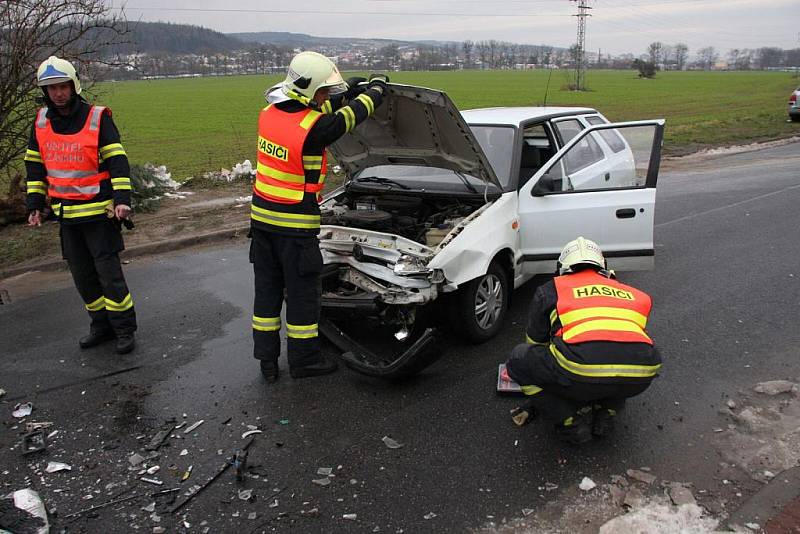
point(414, 126)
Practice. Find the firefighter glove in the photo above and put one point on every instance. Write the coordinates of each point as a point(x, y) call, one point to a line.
point(378, 81)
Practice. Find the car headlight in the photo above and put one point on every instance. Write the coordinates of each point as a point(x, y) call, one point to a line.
point(409, 265)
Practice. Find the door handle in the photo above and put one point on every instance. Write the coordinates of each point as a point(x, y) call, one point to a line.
point(626, 213)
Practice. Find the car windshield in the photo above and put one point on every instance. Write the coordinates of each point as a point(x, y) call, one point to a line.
point(497, 143)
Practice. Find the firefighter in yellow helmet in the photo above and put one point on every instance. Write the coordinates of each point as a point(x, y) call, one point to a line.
point(587, 346)
point(309, 110)
point(75, 157)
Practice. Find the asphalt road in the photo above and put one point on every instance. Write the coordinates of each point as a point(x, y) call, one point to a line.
point(726, 303)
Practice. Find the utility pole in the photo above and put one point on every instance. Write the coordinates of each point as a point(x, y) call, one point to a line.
point(580, 60)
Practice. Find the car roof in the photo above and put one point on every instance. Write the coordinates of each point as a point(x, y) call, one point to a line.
point(515, 116)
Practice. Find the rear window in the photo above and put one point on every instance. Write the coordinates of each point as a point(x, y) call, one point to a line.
point(611, 137)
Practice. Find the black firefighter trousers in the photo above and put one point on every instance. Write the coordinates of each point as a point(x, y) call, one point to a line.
point(553, 394)
point(293, 263)
point(92, 252)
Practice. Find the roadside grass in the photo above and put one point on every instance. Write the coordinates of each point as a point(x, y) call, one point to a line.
point(201, 124)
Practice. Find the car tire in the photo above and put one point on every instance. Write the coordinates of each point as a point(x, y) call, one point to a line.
point(482, 305)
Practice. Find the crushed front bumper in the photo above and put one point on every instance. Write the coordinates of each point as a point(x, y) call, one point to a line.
point(422, 353)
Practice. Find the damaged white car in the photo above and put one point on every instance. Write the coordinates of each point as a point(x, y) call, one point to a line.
point(466, 206)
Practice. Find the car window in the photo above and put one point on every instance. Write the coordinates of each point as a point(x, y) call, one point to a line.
point(537, 149)
point(611, 137)
point(584, 167)
point(568, 129)
point(587, 152)
point(497, 143)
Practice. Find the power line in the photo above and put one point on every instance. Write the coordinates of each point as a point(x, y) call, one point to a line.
point(336, 12)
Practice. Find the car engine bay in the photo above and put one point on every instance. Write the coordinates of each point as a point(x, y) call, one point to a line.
point(424, 220)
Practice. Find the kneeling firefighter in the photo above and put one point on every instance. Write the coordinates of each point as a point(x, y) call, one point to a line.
point(587, 348)
point(309, 110)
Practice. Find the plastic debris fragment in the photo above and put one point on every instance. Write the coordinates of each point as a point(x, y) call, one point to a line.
point(321, 481)
point(251, 432)
point(150, 507)
point(184, 452)
point(22, 410)
point(29, 501)
point(195, 425)
point(350, 517)
point(151, 481)
point(54, 467)
point(391, 443)
point(527, 511)
point(429, 515)
point(324, 471)
point(587, 484)
point(135, 460)
point(246, 495)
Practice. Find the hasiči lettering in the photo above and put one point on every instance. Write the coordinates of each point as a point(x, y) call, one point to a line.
point(272, 149)
point(601, 291)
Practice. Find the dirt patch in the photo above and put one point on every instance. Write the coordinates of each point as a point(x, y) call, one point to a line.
point(762, 436)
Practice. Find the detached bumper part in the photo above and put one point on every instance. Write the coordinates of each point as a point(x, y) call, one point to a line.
point(422, 353)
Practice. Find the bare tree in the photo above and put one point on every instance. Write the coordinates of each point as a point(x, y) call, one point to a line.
point(707, 57)
point(681, 53)
point(32, 30)
point(466, 49)
point(654, 52)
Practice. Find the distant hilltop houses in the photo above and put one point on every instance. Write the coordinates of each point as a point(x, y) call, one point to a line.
point(159, 50)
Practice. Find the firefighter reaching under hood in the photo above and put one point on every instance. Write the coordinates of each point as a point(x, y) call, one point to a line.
point(587, 348)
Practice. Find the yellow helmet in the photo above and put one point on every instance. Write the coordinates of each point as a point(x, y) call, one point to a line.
point(310, 71)
point(55, 70)
point(580, 251)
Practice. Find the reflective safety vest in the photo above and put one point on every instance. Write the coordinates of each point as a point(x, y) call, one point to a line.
point(592, 307)
point(281, 170)
point(72, 161)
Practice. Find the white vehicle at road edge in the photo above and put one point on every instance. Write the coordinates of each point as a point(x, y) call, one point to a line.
point(474, 204)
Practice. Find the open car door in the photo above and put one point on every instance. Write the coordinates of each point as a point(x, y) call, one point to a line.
point(585, 190)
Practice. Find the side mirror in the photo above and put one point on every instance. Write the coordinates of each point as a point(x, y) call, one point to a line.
point(545, 185)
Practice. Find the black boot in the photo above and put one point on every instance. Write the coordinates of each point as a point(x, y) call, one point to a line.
point(96, 338)
point(270, 371)
point(324, 367)
point(577, 429)
point(603, 423)
point(125, 343)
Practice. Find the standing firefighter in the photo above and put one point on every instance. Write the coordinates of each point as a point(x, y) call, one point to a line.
point(299, 122)
point(75, 157)
point(587, 349)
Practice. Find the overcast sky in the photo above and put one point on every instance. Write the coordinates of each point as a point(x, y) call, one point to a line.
point(616, 26)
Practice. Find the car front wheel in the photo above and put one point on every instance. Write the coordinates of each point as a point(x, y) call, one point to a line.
point(482, 305)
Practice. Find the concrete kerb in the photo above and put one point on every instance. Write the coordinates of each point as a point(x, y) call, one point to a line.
point(156, 247)
point(769, 502)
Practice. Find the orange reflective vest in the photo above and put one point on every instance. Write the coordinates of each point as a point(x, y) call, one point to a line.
point(72, 161)
point(592, 307)
point(281, 170)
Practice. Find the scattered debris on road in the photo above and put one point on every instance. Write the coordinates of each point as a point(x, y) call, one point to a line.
point(22, 410)
point(391, 443)
point(194, 426)
point(55, 467)
point(587, 484)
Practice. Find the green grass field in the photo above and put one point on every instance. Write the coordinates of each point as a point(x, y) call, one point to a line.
point(201, 124)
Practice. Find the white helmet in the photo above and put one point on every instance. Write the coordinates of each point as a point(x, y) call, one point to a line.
point(581, 251)
point(310, 71)
point(55, 70)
